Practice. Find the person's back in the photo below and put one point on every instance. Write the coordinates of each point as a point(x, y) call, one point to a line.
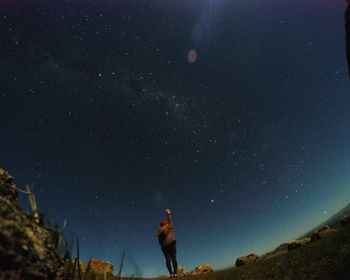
point(166, 234)
point(167, 242)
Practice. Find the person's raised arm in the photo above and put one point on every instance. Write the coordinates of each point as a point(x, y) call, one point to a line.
point(170, 217)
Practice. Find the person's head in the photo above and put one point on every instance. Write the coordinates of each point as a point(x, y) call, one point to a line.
point(163, 223)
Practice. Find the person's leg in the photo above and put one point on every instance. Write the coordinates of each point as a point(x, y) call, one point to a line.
point(167, 259)
point(173, 257)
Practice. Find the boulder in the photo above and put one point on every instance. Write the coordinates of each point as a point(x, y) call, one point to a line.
point(249, 259)
point(99, 267)
point(318, 234)
point(298, 243)
point(345, 220)
point(203, 269)
point(181, 271)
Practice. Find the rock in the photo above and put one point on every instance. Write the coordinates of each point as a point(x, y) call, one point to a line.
point(298, 243)
point(318, 234)
point(345, 220)
point(26, 250)
point(8, 190)
point(249, 259)
point(203, 269)
point(99, 267)
point(181, 271)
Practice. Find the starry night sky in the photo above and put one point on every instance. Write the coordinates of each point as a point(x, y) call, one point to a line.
point(249, 145)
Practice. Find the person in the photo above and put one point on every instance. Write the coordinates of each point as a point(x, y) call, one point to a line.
point(167, 242)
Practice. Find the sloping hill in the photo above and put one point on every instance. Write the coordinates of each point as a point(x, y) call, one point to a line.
point(325, 259)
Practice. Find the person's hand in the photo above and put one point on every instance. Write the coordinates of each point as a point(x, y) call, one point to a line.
point(168, 211)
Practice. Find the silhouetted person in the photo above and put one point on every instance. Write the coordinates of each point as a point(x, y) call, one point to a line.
point(167, 241)
point(347, 30)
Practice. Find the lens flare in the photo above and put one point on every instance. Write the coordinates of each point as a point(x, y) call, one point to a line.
point(192, 56)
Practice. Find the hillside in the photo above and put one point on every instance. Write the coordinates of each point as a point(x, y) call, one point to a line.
point(325, 259)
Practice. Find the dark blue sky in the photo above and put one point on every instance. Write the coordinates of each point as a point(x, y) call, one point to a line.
point(249, 145)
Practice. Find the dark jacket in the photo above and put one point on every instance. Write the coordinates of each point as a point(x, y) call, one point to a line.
point(166, 234)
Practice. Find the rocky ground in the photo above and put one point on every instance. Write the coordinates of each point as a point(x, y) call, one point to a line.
point(26, 249)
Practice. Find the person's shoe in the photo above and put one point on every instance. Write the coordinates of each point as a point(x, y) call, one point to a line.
point(174, 275)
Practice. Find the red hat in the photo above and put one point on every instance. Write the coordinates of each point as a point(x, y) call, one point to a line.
point(163, 223)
